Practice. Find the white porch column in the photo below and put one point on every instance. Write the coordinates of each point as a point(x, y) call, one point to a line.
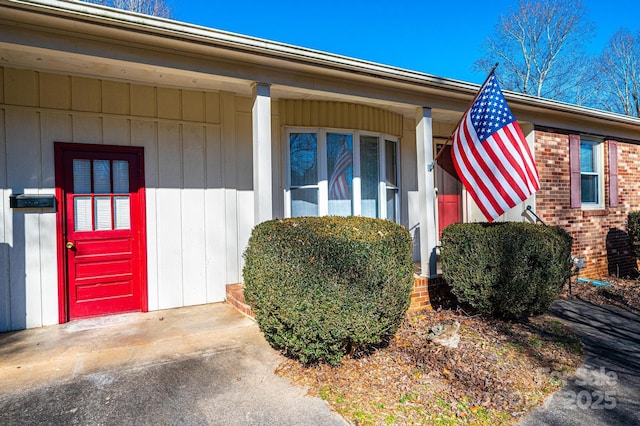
point(261, 121)
point(426, 192)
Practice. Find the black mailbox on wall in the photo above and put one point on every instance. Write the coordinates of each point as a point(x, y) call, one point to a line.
point(32, 201)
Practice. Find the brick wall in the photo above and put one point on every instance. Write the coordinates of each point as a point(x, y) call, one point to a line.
point(235, 297)
point(431, 293)
point(599, 235)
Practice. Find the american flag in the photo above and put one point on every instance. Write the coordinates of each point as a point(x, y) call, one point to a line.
point(338, 187)
point(491, 155)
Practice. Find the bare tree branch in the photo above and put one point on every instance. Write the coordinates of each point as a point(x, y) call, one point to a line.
point(619, 68)
point(149, 7)
point(539, 44)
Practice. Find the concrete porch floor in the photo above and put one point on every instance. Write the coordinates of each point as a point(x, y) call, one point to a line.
point(206, 364)
point(38, 355)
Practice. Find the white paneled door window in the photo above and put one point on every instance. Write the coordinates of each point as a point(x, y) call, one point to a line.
point(105, 206)
point(342, 173)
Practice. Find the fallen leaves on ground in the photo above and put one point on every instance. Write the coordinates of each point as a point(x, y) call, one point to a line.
point(624, 293)
point(499, 371)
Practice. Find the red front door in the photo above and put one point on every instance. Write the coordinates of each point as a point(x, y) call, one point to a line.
point(449, 192)
point(102, 216)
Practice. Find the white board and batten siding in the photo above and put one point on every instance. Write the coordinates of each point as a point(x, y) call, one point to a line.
point(198, 178)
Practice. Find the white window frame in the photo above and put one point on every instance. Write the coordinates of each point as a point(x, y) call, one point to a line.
point(287, 169)
point(383, 177)
point(322, 184)
point(598, 152)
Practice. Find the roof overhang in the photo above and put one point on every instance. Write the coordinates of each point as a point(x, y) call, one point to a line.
point(87, 39)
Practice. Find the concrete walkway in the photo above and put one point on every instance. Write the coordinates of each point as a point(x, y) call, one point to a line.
point(606, 389)
point(199, 365)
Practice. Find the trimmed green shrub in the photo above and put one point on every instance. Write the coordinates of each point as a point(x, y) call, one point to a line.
point(633, 226)
point(509, 270)
point(322, 287)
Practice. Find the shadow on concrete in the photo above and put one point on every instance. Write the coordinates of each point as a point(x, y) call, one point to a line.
point(605, 389)
point(204, 364)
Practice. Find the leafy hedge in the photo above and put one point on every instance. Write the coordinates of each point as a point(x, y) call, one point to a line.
point(633, 226)
point(322, 287)
point(510, 270)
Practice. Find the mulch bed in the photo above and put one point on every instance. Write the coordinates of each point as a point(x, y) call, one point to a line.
point(624, 293)
point(499, 371)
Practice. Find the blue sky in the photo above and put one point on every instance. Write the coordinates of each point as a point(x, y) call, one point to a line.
point(443, 38)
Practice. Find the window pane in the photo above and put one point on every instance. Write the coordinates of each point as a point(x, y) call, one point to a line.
point(101, 176)
point(589, 188)
point(304, 202)
point(82, 213)
point(340, 173)
point(370, 175)
point(121, 177)
point(391, 163)
point(587, 157)
point(304, 161)
point(102, 208)
point(391, 204)
point(82, 176)
point(121, 213)
point(340, 207)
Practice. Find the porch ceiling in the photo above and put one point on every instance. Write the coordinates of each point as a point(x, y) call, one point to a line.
point(46, 60)
point(439, 114)
point(58, 61)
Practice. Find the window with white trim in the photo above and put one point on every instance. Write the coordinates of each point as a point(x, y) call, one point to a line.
point(591, 172)
point(342, 173)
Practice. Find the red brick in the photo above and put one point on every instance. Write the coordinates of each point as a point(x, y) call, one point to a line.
point(589, 228)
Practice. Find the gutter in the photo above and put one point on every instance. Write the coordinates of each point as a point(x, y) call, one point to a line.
point(188, 32)
point(161, 27)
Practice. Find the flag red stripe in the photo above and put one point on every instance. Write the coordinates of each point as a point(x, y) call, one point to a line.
point(338, 186)
point(525, 167)
point(340, 190)
point(488, 169)
point(520, 142)
point(490, 194)
point(513, 153)
point(478, 186)
point(458, 160)
point(497, 166)
point(515, 176)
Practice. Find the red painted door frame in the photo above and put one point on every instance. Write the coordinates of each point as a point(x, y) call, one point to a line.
point(449, 192)
point(61, 220)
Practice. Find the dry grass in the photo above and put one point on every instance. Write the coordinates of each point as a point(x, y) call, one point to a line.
point(500, 371)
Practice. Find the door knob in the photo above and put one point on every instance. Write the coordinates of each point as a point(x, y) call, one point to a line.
point(70, 245)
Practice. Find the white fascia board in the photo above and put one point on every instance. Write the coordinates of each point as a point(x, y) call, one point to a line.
point(161, 27)
point(542, 104)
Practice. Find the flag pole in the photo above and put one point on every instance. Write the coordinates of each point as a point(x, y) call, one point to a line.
point(431, 165)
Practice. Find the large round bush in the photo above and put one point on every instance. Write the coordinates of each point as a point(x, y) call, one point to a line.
point(322, 287)
point(509, 270)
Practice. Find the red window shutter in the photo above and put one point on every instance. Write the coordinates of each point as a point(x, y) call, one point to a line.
point(613, 173)
point(574, 166)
